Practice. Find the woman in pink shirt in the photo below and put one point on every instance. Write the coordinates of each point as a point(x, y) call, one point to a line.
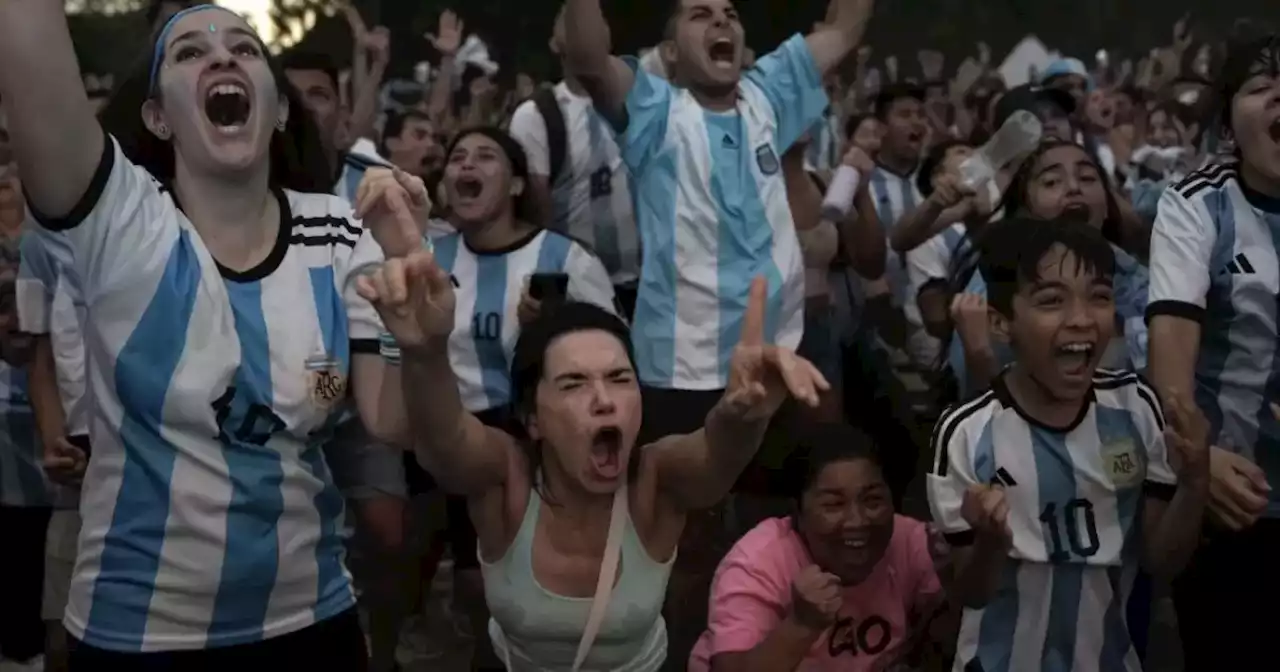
point(842, 584)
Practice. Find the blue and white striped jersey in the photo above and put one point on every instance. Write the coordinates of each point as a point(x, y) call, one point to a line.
point(49, 304)
point(354, 165)
point(1075, 500)
point(488, 286)
point(22, 480)
point(713, 213)
point(1214, 252)
point(591, 197)
point(210, 517)
point(894, 195)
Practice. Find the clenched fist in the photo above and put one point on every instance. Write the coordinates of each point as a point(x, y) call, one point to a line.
point(815, 598)
point(987, 512)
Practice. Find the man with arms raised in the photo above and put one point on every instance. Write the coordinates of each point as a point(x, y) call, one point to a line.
point(711, 206)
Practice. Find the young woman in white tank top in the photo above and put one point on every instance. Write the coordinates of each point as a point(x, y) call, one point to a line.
point(542, 501)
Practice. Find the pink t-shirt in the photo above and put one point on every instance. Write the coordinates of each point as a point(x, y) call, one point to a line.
point(751, 594)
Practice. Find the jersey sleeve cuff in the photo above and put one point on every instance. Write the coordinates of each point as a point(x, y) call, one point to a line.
point(89, 200)
point(1161, 491)
point(365, 346)
point(1175, 308)
point(960, 538)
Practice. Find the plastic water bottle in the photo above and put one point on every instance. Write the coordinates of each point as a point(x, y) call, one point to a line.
point(838, 202)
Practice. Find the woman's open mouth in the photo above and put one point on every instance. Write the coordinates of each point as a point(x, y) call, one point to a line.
point(227, 107)
point(606, 452)
point(468, 188)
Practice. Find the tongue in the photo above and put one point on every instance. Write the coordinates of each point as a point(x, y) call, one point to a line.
point(605, 462)
point(1073, 363)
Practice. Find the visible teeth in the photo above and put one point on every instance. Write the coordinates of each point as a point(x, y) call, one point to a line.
point(1077, 347)
point(228, 89)
point(230, 130)
point(855, 544)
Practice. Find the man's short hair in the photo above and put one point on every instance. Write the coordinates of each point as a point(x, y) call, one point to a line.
point(892, 94)
point(310, 60)
point(396, 122)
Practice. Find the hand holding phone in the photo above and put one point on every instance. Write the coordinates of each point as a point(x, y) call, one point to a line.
point(549, 287)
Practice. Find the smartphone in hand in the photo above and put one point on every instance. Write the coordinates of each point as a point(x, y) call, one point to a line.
point(549, 287)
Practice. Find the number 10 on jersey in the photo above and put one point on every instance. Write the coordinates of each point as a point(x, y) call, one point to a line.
point(1070, 530)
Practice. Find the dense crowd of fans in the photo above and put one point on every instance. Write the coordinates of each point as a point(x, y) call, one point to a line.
point(706, 358)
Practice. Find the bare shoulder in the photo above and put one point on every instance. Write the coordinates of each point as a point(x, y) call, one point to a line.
point(497, 512)
point(657, 518)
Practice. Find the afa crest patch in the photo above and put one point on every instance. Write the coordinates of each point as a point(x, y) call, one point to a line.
point(326, 381)
point(1124, 466)
point(767, 160)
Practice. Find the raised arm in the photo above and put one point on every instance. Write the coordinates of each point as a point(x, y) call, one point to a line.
point(840, 34)
point(587, 56)
point(414, 300)
point(56, 139)
point(696, 470)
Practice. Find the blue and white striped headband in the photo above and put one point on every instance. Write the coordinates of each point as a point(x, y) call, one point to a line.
point(157, 57)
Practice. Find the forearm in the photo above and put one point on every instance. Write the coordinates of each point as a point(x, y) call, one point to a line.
point(441, 427)
point(730, 444)
point(977, 575)
point(440, 100)
point(1172, 346)
point(864, 239)
point(846, 23)
point(364, 103)
point(587, 45)
point(982, 367)
point(42, 385)
point(782, 650)
point(56, 138)
point(916, 227)
point(1175, 536)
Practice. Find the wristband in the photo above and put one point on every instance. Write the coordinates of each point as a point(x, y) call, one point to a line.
point(388, 349)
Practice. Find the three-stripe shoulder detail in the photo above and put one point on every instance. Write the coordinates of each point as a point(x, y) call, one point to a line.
point(1210, 177)
point(1117, 381)
point(950, 422)
point(325, 231)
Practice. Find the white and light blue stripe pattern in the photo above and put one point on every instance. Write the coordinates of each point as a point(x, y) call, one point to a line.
point(487, 292)
point(22, 479)
point(713, 214)
point(210, 518)
point(354, 167)
point(1075, 499)
point(1215, 250)
point(894, 195)
point(50, 306)
point(591, 197)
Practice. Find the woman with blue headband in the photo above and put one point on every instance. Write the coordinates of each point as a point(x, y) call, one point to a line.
point(221, 332)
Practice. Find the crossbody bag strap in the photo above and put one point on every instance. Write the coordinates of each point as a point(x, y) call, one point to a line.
point(608, 572)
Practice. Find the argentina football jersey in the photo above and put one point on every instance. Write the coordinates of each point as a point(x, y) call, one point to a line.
point(713, 214)
point(210, 518)
point(1214, 251)
point(591, 195)
point(487, 289)
point(1075, 504)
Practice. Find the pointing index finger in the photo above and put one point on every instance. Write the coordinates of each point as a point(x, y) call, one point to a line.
point(753, 319)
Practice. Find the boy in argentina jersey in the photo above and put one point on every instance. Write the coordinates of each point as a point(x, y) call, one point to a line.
point(1054, 484)
point(257, 505)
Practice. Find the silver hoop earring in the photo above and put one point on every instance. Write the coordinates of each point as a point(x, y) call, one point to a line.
point(163, 131)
